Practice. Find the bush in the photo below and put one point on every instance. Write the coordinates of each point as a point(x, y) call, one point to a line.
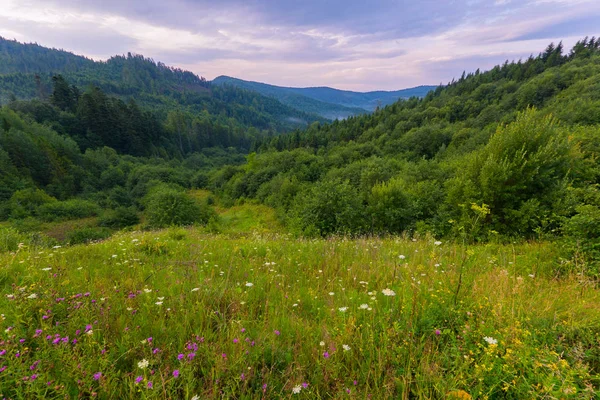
point(25, 203)
point(66, 210)
point(165, 207)
point(330, 207)
point(119, 218)
point(86, 235)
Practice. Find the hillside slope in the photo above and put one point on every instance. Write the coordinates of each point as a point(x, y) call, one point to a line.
point(510, 152)
point(328, 102)
point(26, 72)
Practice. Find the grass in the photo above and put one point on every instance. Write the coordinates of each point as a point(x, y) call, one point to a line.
point(266, 315)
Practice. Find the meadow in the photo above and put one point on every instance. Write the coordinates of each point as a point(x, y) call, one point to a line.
point(192, 314)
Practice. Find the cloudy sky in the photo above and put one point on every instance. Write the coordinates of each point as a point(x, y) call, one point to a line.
point(348, 44)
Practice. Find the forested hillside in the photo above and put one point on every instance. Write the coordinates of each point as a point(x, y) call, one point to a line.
point(327, 102)
point(27, 72)
point(511, 152)
point(504, 154)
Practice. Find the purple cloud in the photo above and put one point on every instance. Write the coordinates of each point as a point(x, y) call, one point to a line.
point(350, 44)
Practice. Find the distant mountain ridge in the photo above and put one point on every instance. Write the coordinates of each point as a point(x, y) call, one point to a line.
point(328, 102)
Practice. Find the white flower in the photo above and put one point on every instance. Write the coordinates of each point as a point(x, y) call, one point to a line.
point(129, 308)
point(10, 296)
point(295, 305)
point(249, 284)
point(195, 397)
point(159, 303)
point(490, 340)
point(46, 269)
point(55, 247)
point(531, 276)
point(143, 364)
point(114, 256)
point(147, 290)
point(32, 296)
point(363, 306)
point(388, 292)
point(322, 343)
point(331, 293)
point(160, 298)
point(346, 347)
point(296, 389)
point(195, 289)
point(437, 242)
point(90, 332)
point(402, 256)
point(343, 309)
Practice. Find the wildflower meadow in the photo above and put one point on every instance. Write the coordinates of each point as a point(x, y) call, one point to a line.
point(187, 314)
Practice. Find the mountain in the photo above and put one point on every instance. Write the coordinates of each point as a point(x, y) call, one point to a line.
point(26, 72)
point(327, 102)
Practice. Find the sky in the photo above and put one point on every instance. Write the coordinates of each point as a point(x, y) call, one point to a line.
point(357, 45)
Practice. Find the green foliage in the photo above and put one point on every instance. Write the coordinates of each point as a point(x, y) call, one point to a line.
point(119, 218)
point(26, 203)
point(87, 234)
point(166, 206)
point(66, 210)
point(330, 207)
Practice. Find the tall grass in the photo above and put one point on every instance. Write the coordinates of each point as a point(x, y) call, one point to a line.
point(181, 313)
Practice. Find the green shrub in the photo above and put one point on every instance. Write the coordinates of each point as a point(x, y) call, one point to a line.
point(25, 203)
point(119, 218)
point(86, 235)
point(166, 206)
point(66, 210)
point(330, 207)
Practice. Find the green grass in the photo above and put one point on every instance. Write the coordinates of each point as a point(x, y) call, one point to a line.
point(267, 309)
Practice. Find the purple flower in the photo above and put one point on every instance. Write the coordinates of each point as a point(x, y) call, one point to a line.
point(236, 340)
point(326, 354)
point(355, 383)
point(304, 385)
point(180, 356)
point(264, 387)
point(18, 355)
point(97, 376)
point(33, 377)
point(438, 332)
point(155, 351)
point(149, 385)
point(22, 340)
point(176, 373)
point(139, 379)
point(2, 352)
point(191, 356)
point(149, 340)
point(45, 317)
point(242, 377)
point(3, 368)
point(277, 332)
point(243, 330)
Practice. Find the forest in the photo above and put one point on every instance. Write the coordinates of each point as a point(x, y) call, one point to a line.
point(506, 154)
